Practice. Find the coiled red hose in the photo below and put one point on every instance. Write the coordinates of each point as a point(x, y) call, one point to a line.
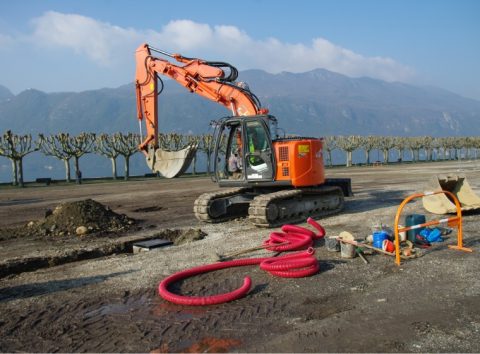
point(296, 265)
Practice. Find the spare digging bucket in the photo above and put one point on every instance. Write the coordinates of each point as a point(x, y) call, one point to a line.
point(170, 164)
point(457, 185)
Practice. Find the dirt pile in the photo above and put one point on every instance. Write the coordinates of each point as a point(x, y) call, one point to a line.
point(76, 219)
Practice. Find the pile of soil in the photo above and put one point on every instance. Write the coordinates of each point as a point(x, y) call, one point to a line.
point(79, 218)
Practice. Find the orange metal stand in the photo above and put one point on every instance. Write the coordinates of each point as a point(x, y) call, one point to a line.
point(453, 221)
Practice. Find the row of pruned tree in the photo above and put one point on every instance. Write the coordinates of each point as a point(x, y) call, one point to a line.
point(66, 147)
point(433, 148)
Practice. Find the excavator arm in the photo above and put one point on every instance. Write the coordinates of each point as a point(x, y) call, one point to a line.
point(206, 79)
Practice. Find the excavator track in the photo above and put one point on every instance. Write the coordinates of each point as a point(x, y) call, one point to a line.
point(293, 206)
point(203, 206)
point(271, 209)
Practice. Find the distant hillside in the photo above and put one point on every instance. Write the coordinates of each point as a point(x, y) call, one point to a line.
point(318, 102)
point(5, 94)
point(315, 103)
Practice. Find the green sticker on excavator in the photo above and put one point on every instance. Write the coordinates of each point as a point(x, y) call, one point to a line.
point(303, 148)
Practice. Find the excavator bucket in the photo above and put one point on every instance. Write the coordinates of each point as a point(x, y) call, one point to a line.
point(170, 164)
point(456, 184)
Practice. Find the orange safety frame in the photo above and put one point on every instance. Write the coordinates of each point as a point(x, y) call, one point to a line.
point(453, 221)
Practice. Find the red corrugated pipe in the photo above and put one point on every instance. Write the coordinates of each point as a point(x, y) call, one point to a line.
point(296, 265)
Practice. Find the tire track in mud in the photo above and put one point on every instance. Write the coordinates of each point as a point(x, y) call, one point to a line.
point(142, 321)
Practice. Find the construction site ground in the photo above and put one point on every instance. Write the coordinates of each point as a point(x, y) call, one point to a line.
point(68, 293)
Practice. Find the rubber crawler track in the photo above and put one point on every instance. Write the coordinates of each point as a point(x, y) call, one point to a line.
point(200, 207)
point(291, 206)
point(276, 208)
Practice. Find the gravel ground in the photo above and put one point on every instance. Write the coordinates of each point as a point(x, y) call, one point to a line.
point(109, 302)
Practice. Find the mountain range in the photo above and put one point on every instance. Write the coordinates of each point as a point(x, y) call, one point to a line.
point(314, 103)
point(317, 102)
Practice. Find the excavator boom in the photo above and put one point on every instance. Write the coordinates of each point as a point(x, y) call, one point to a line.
point(206, 79)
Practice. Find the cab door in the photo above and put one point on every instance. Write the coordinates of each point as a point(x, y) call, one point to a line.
point(229, 152)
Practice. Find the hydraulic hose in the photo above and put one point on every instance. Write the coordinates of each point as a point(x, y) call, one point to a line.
point(295, 265)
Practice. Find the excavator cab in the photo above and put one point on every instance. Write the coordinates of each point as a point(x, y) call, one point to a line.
point(243, 151)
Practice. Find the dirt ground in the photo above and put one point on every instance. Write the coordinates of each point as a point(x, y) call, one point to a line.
point(92, 294)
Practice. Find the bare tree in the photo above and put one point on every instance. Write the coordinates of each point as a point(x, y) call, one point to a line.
point(206, 145)
point(77, 146)
point(329, 144)
point(476, 146)
point(368, 143)
point(458, 145)
point(436, 147)
point(448, 145)
point(349, 144)
point(172, 141)
point(427, 145)
point(126, 145)
point(386, 143)
point(414, 145)
point(469, 144)
point(53, 145)
point(194, 140)
point(401, 144)
point(15, 148)
point(105, 145)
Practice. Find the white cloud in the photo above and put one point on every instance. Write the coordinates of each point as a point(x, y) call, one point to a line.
point(84, 35)
point(99, 41)
point(5, 41)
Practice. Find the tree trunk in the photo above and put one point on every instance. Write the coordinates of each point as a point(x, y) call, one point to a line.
point(329, 154)
point(20, 172)
point(114, 167)
point(367, 157)
point(67, 170)
point(127, 167)
point(412, 152)
point(78, 173)
point(194, 167)
point(385, 156)
point(349, 159)
point(14, 172)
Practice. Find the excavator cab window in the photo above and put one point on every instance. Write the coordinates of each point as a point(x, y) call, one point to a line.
point(244, 151)
point(258, 156)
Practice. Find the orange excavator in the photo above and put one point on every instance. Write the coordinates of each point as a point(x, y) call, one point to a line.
point(271, 178)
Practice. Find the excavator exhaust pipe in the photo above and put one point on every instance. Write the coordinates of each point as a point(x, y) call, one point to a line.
point(170, 164)
point(456, 184)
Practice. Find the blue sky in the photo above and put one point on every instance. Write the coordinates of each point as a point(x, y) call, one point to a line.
point(68, 45)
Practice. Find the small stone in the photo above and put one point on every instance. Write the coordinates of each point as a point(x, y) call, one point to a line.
point(48, 212)
point(31, 224)
point(81, 230)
